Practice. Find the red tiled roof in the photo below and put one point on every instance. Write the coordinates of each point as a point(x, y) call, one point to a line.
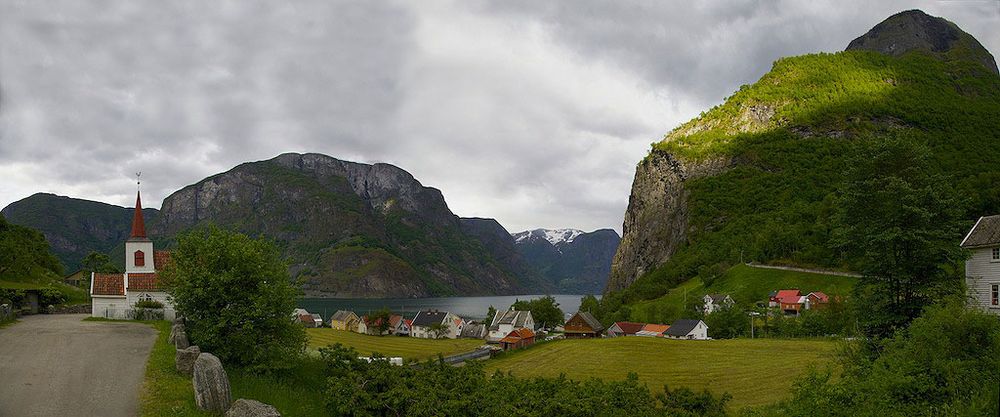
point(161, 258)
point(657, 329)
point(788, 296)
point(144, 281)
point(409, 322)
point(822, 297)
point(629, 327)
point(108, 284)
point(306, 318)
point(525, 332)
point(394, 320)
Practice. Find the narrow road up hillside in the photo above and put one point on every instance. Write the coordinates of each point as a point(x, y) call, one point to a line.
point(58, 365)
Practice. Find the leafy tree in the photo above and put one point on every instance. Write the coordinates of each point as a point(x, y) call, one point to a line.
point(727, 323)
point(236, 297)
point(544, 310)
point(98, 262)
point(591, 304)
point(380, 320)
point(24, 253)
point(899, 220)
point(490, 314)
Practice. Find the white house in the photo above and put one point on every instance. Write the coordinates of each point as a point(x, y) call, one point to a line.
point(115, 295)
point(687, 329)
point(422, 322)
point(982, 269)
point(715, 302)
point(505, 322)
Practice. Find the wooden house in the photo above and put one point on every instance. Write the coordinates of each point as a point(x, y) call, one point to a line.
point(518, 339)
point(344, 320)
point(583, 325)
point(624, 328)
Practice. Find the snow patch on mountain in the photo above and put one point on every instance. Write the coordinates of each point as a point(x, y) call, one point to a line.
point(554, 236)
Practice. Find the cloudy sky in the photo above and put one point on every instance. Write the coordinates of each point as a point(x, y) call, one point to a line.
point(534, 113)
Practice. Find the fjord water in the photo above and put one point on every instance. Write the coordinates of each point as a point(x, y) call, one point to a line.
point(467, 307)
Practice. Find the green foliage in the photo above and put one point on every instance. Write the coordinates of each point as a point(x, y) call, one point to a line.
point(727, 323)
point(490, 314)
point(544, 310)
point(236, 296)
point(380, 320)
point(359, 388)
point(148, 304)
point(99, 262)
point(899, 222)
point(590, 303)
point(947, 363)
point(438, 329)
point(24, 255)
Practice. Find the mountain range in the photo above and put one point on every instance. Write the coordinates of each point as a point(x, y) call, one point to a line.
point(348, 229)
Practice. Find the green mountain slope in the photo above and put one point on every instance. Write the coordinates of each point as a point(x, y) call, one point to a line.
point(754, 178)
point(74, 227)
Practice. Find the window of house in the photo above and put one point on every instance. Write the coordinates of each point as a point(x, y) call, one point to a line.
point(140, 258)
point(996, 254)
point(995, 295)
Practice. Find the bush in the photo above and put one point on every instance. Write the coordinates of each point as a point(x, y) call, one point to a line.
point(148, 304)
point(236, 296)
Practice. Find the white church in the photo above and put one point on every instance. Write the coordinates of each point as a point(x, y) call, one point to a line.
point(114, 295)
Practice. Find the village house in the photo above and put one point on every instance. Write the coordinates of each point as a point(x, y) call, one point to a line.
point(505, 322)
point(115, 296)
point(344, 320)
point(517, 339)
point(653, 330)
point(982, 269)
point(307, 319)
point(473, 330)
point(582, 325)
point(368, 325)
point(624, 328)
point(687, 329)
point(424, 320)
point(715, 302)
point(792, 302)
point(816, 300)
point(77, 278)
point(398, 325)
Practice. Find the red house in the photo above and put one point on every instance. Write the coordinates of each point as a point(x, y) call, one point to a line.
point(518, 339)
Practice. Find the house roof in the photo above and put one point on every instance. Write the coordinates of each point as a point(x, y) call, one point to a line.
point(138, 224)
point(515, 318)
point(682, 327)
point(474, 330)
point(146, 281)
point(161, 258)
point(657, 329)
point(986, 232)
point(718, 298)
point(628, 327)
point(518, 335)
point(342, 315)
point(427, 318)
point(590, 320)
point(788, 296)
point(822, 297)
point(306, 318)
point(108, 284)
point(394, 320)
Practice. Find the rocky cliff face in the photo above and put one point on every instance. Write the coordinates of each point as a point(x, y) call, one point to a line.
point(573, 261)
point(656, 220)
point(352, 230)
point(914, 30)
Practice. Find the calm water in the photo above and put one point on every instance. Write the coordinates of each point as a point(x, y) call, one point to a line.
point(467, 307)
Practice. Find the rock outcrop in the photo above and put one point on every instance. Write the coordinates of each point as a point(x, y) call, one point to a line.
point(914, 30)
point(656, 220)
point(251, 408)
point(211, 384)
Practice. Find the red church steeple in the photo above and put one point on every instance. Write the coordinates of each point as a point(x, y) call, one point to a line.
point(138, 224)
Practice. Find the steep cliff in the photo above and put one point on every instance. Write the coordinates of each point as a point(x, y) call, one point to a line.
point(754, 178)
point(351, 229)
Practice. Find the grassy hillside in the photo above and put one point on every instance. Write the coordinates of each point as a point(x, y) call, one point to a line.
point(405, 347)
point(755, 371)
point(788, 136)
point(747, 285)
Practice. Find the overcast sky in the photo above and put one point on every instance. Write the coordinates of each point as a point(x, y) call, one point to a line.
point(531, 112)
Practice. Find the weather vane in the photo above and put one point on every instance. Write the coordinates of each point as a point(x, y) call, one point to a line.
point(137, 181)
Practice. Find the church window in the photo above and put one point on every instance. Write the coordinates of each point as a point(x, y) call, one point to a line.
point(140, 258)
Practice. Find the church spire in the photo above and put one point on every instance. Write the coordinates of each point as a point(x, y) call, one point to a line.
point(138, 224)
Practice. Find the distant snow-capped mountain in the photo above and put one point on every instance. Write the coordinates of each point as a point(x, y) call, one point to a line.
point(574, 260)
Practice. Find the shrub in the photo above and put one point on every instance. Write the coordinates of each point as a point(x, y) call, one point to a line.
point(236, 295)
point(148, 304)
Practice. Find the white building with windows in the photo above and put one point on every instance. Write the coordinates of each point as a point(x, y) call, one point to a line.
point(115, 296)
point(982, 269)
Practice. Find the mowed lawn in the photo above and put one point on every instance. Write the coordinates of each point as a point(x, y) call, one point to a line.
point(755, 372)
point(392, 346)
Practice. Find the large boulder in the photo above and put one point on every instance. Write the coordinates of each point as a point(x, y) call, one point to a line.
point(211, 385)
point(174, 331)
point(181, 340)
point(184, 360)
point(250, 408)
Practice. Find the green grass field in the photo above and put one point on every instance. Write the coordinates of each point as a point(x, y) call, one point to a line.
point(405, 347)
point(755, 372)
point(747, 285)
